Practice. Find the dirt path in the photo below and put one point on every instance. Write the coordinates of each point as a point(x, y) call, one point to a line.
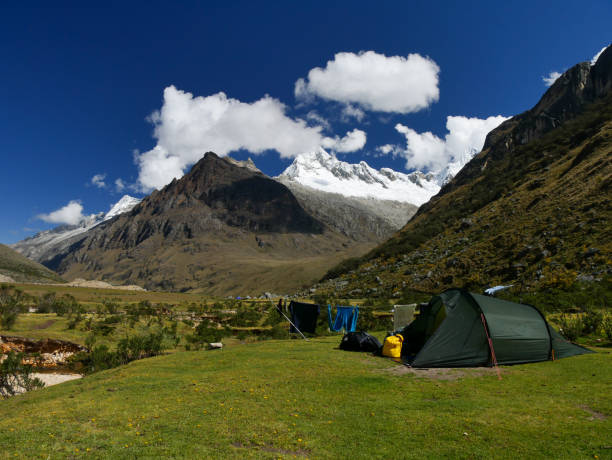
point(45, 325)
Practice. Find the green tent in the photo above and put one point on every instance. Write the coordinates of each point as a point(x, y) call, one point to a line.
point(454, 328)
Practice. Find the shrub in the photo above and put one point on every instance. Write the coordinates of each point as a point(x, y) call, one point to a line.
point(571, 327)
point(16, 376)
point(98, 359)
point(11, 304)
point(606, 326)
point(246, 316)
point(46, 303)
point(592, 320)
point(205, 332)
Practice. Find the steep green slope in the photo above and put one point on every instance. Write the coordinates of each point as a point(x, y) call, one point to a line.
point(533, 208)
point(287, 399)
point(23, 270)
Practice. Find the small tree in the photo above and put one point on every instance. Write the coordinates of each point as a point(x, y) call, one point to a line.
point(11, 304)
point(16, 377)
point(205, 332)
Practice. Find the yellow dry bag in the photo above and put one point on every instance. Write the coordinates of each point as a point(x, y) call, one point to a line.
point(393, 346)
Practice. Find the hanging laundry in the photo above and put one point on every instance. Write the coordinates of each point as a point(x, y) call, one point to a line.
point(346, 317)
point(304, 316)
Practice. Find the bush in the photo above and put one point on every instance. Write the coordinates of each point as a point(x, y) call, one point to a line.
point(140, 346)
point(98, 359)
point(606, 326)
point(11, 304)
point(571, 327)
point(246, 316)
point(206, 332)
point(592, 321)
point(16, 376)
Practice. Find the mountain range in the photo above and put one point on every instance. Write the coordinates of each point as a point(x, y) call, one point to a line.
point(304, 199)
point(531, 208)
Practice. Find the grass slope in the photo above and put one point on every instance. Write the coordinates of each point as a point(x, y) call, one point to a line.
point(22, 269)
point(308, 399)
point(538, 217)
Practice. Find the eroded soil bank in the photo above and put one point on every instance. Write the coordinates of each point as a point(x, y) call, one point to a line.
point(46, 354)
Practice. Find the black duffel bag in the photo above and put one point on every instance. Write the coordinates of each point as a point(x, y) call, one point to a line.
point(360, 341)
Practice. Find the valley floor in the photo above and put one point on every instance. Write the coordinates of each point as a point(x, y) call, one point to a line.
point(288, 399)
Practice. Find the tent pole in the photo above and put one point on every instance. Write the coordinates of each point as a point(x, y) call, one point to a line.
point(290, 322)
point(484, 324)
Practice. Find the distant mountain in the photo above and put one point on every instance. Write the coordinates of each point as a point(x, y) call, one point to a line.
point(222, 228)
point(45, 245)
point(15, 267)
point(532, 209)
point(322, 171)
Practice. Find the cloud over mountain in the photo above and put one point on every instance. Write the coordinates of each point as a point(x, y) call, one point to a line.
point(551, 78)
point(71, 214)
point(374, 81)
point(186, 127)
point(428, 151)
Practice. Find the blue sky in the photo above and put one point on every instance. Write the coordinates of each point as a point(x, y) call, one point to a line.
point(78, 84)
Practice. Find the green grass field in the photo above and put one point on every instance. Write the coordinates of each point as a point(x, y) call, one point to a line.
point(288, 399)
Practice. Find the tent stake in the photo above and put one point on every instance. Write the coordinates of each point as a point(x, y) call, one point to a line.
point(484, 324)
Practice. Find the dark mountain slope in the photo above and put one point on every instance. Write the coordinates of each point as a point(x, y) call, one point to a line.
point(222, 228)
point(533, 207)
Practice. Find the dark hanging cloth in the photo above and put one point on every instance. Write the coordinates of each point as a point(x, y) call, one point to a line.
point(304, 316)
point(280, 307)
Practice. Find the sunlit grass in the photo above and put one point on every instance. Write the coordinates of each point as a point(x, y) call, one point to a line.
point(277, 399)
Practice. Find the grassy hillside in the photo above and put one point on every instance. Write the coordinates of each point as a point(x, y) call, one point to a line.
point(537, 217)
point(299, 399)
point(22, 269)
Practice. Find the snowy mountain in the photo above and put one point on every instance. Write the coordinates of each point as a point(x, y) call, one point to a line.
point(449, 171)
point(39, 246)
point(323, 171)
point(125, 204)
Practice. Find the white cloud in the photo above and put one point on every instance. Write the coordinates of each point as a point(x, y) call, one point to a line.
point(374, 81)
point(98, 180)
point(389, 149)
point(551, 78)
point(354, 140)
point(594, 60)
point(186, 127)
point(119, 185)
point(426, 151)
point(316, 118)
point(72, 213)
point(350, 111)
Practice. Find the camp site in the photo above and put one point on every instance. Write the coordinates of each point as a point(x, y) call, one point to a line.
point(473, 374)
point(306, 230)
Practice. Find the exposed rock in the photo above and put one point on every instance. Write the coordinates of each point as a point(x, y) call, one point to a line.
point(6, 279)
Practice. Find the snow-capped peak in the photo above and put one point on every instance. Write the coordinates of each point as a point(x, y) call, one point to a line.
point(39, 246)
point(125, 204)
point(323, 171)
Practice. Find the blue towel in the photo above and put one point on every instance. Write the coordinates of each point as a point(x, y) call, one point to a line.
point(345, 318)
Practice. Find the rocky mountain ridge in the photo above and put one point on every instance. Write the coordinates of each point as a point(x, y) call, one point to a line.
point(322, 171)
point(222, 226)
point(532, 209)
